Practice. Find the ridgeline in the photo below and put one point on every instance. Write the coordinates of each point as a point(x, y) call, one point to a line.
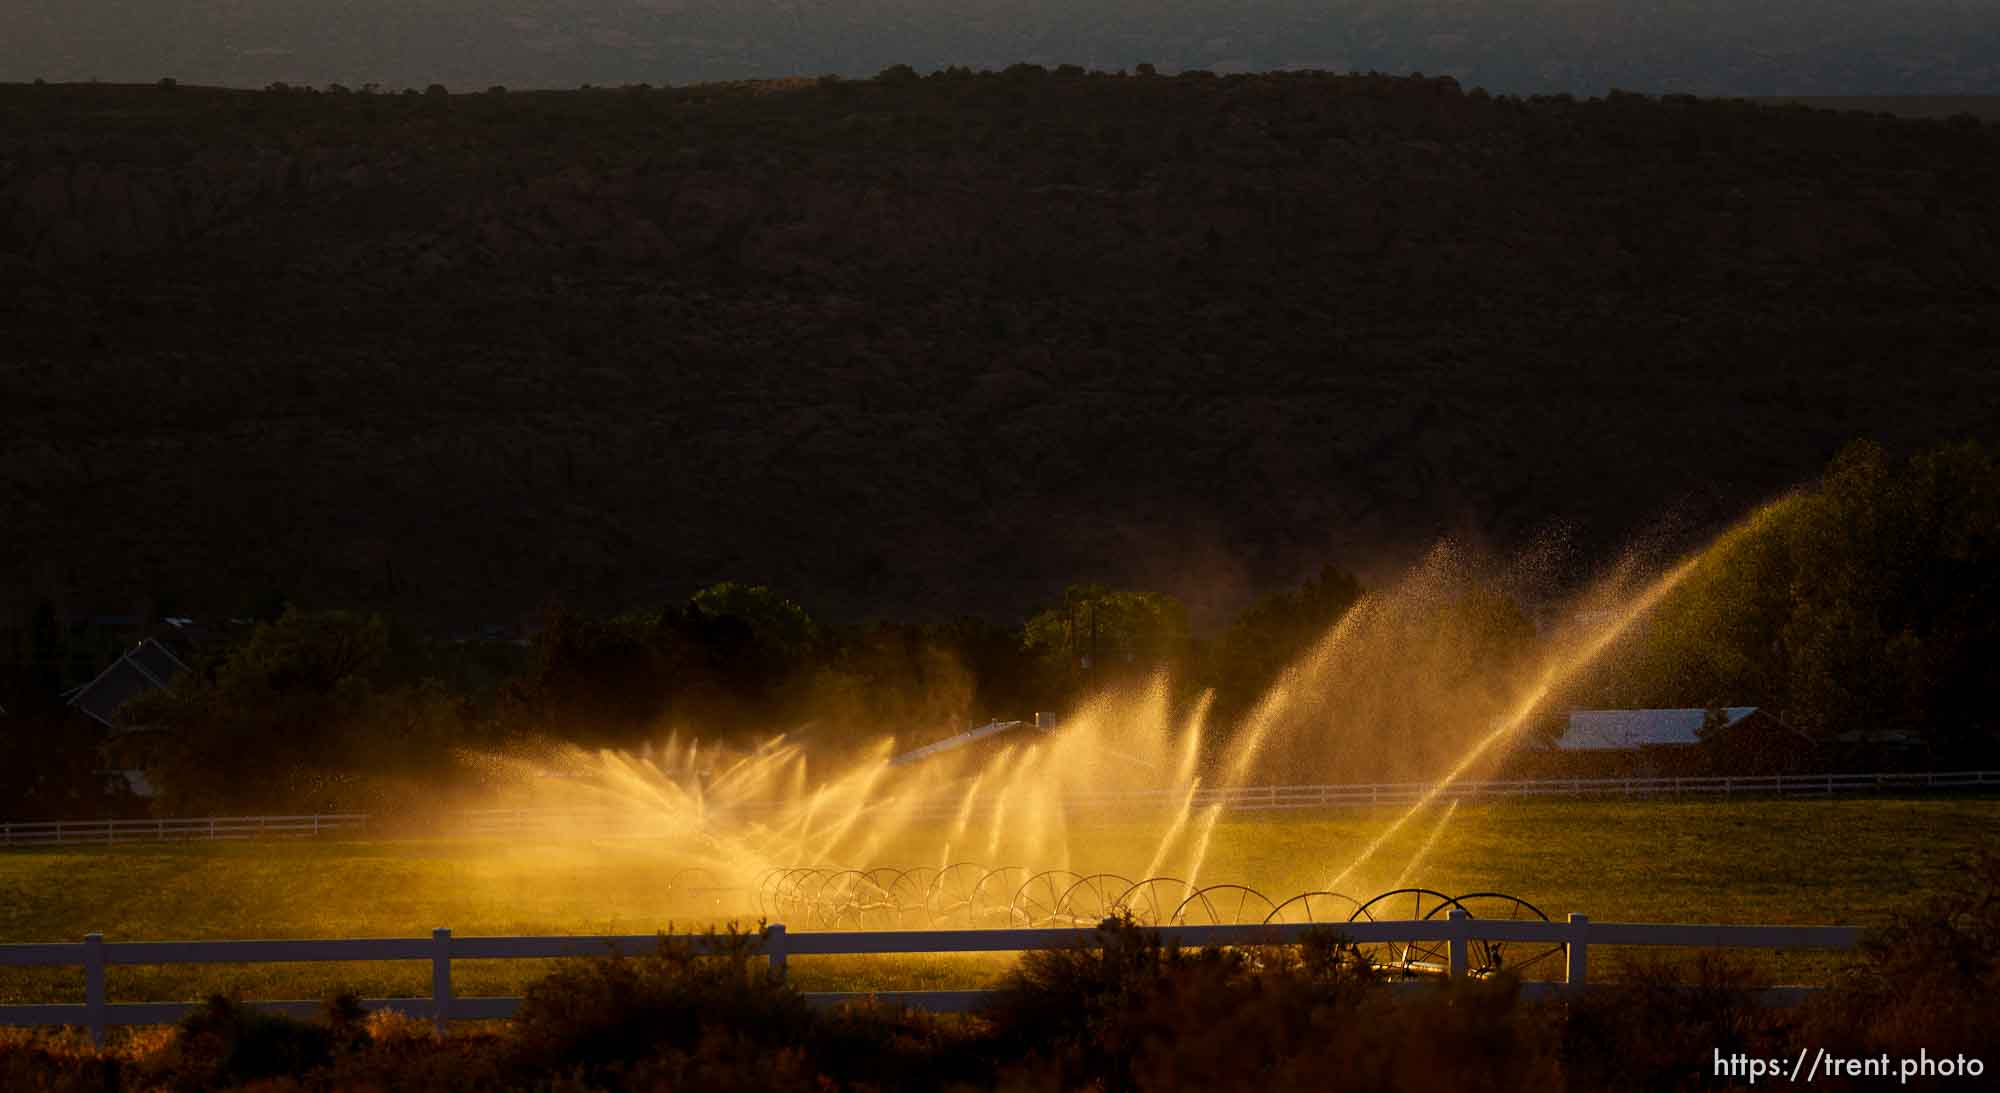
point(925, 345)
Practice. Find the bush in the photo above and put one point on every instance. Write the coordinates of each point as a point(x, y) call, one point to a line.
point(226, 1043)
point(1660, 1027)
point(1136, 1014)
point(32, 1059)
point(889, 1047)
point(1927, 981)
point(600, 1017)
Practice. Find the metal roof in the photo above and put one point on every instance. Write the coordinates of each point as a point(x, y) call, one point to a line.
point(1626, 730)
point(148, 666)
point(950, 743)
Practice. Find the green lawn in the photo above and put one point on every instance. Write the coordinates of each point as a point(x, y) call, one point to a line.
point(1852, 861)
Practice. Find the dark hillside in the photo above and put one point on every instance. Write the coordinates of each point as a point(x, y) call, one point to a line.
point(1702, 47)
point(922, 346)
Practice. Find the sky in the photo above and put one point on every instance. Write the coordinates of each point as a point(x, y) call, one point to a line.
point(1705, 47)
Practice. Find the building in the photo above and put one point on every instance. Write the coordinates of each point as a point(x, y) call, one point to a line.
point(956, 742)
point(1745, 740)
point(127, 749)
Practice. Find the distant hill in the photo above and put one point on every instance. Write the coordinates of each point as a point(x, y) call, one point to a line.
point(920, 346)
point(1983, 107)
point(1704, 47)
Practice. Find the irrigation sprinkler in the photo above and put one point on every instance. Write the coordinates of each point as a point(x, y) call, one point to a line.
point(1092, 899)
point(992, 898)
point(950, 895)
point(852, 900)
point(766, 887)
point(911, 891)
point(1489, 956)
point(1222, 905)
point(1309, 907)
point(970, 895)
point(1406, 957)
point(1152, 901)
point(1039, 900)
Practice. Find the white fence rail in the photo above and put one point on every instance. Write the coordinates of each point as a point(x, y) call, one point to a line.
point(1267, 798)
point(1234, 798)
point(1458, 931)
point(59, 832)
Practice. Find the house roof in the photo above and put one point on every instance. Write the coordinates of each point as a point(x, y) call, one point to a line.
point(148, 666)
point(1627, 730)
point(952, 743)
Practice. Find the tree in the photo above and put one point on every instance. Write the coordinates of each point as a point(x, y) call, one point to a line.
point(1098, 634)
point(888, 678)
point(1869, 604)
point(775, 622)
point(592, 680)
point(50, 770)
point(1894, 599)
point(311, 712)
point(729, 660)
point(1272, 632)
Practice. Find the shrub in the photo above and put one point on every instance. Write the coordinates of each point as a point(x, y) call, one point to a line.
point(599, 1017)
point(1137, 1014)
point(1660, 1027)
point(1927, 981)
point(888, 1047)
point(226, 1043)
point(32, 1059)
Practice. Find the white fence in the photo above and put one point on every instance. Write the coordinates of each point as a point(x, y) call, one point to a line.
point(165, 830)
point(1252, 798)
point(1458, 931)
point(1234, 798)
point(1265, 798)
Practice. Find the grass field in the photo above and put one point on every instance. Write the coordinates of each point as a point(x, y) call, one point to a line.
point(1853, 861)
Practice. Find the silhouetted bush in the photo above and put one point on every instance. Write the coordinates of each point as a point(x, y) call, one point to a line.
point(600, 1017)
point(1665, 1019)
point(226, 1043)
point(1137, 1014)
point(1927, 982)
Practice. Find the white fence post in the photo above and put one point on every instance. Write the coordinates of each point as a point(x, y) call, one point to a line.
point(774, 947)
point(93, 988)
point(1461, 955)
point(1578, 971)
point(441, 979)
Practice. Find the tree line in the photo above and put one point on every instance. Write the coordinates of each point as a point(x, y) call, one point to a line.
point(1863, 610)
